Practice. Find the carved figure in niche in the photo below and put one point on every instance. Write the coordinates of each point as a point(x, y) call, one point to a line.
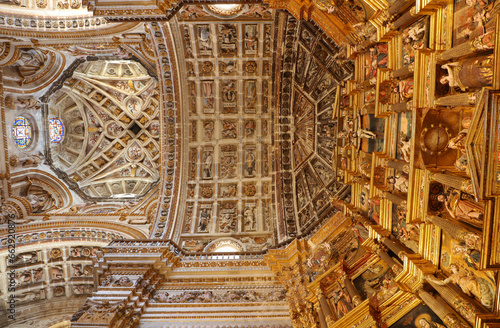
point(250, 95)
point(208, 98)
point(227, 223)
point(36, 203)
point(470, 73)
point(204, 220)
point(251, 41)
point(250, 222)
point(424, 321)
point(399, 182)
point(30, 62)
point(458, 142)
point(405, 148)
point(361, 133)
point(229, 191)
point(462, 209)
point(342, 303)
point(250, 163)
point(207, 164)
point(461, 164)
point(205, 41)
point(469, 284)
point(471, 257)
point(209, 130)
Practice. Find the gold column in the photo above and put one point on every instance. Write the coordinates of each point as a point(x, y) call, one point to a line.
point(397, 165)
point(352, 291)
point(321, 316)
point(460, 99)
point(396, 247)
point(465, 49)
point(393, 198)
point(325, 307)
point(402, 107)
point(405, 18)
point(398, 6)
point(455, 181)
point(456, 230)
point(461, 305)
point(403, 71)
point(395, 266)
point(443, 311)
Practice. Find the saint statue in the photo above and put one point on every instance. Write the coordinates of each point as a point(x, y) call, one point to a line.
point(462, 209)
point(469, 284)
point(424, 321)
point(470, 73)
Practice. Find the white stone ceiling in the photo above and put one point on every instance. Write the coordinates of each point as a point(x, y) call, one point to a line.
point(110, 113)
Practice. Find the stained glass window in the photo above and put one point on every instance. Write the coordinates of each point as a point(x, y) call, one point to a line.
point(56, 130)
point(21, 132)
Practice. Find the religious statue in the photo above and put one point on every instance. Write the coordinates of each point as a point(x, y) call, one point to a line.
point(399, 182)
point(424, 321)
point(204, 220)
point(250, 163)
point(37, 203)
point(342, 303)
point(470, 73)
point(249, 218)
point(405, 148)
point(469, 284)
point(471, 257)
point(30, 62)
point(207, 165)
point(462, 209)
point(326, 5)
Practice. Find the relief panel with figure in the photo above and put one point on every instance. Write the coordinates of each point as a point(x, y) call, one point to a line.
point(250, 161)
point(208, 97)
point(207, 163)
point(376, 283)
point(204, 37)
point(204, 217)
point(421, 316)
point(251, 39)
point(413, 37)
point(473, 18)
point(460, 262)
point(250, 87)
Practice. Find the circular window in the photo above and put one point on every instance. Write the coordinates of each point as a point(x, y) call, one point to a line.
point(56, 130)
point(22, 132)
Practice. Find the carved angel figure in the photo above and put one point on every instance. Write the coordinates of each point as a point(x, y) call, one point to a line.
point(470, 285)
